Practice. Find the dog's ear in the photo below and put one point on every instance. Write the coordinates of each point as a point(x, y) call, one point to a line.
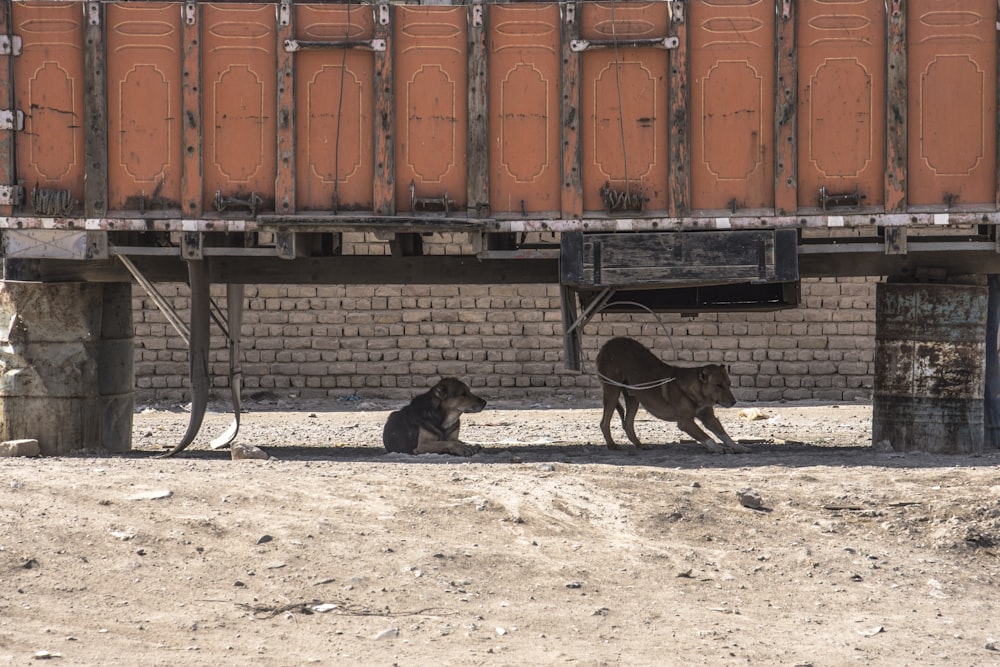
point(440, 391)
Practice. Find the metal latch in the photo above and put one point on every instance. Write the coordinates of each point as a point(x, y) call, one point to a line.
point(11, 195)
point(846, 199)
point(10, 45)
point(676, 10)
point(578, 45)
point(11, 119)
point(295, 45)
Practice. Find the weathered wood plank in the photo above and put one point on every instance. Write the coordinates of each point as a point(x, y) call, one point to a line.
point(478, 159)
point(95, 182)
point(572, 181)
point(896, 110)
point(680, 137)
point(786, 118)
point(384, 185)
point(191, 175)
point(284, 187)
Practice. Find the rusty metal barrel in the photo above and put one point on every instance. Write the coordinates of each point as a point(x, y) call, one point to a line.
point(66, 365)
point(930, 345)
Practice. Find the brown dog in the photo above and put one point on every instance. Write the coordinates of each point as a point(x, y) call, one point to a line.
point(430, 423)
point(672, 393)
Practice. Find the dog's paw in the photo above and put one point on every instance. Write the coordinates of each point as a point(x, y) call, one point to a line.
point(737, 448)
point(463, 449)
point(713, 447)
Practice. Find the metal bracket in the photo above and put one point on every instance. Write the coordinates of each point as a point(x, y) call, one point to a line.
point(676, 10)
point(847, 199)
point(252, 203)
point(94, 13)
point(895, 240)
point(191, 246)
point(442, 203)
point(11, 120)
point(569, 12)
point(383, 13)
point(578, 45)
point(190, 13)
point(284, 13)
point(10, 45)
point(11, 195)
point(477, 15)
point(786, 9)
point(296, 45)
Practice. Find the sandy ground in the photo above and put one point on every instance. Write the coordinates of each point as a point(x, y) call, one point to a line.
point(545, 549)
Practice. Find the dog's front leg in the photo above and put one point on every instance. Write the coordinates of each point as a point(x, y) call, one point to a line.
point(691, 428)
point(713, 424)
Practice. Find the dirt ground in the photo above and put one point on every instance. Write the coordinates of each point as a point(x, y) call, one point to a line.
point(544, 549)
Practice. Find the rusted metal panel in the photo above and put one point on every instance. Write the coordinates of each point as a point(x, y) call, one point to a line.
point(145, 150)
point(95, 136)
point(732, 113)
point(334, 107)
point(929, 372)
point(238, 103)
point(430, 95)
point(625, 152)
point(841, 82)
point(951, 46)
point(49, 88)
point(385, 121)
point(524, 66)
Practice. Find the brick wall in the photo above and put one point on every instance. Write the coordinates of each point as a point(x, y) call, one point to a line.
point(390, 341)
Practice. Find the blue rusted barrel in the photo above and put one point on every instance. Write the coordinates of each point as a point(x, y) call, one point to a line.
point(930, 351)
point(66, 365)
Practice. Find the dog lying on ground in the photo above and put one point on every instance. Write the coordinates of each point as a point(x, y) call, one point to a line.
point(627, 368)
point(430, 423)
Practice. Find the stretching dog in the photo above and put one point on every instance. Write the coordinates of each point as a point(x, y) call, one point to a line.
point(672, 393)
point(430, 423)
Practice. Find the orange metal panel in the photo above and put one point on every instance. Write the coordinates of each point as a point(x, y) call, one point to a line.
point(144, 106)
point(238, 101)
point(841, 86)
point(49, 88)
point(524, 108)
point(624, 105)
point(334, 100)
point(732, 102)
point(952, 101)
point(430, 72)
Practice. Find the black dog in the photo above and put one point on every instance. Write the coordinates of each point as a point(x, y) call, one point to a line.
point(430, 423)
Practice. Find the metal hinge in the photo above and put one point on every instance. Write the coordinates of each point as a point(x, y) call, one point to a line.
point(190, 13)
point(11, 119)
point(11, 195)
point(10, 45)
point(285, 13)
